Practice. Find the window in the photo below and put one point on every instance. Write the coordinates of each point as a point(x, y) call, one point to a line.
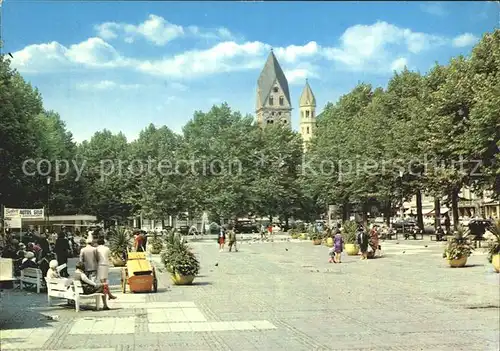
point(270, 121)
point(312, 114)
point(279, 113)
point(307, 130)
point(272, 114)
point(271, 101)
point(307, 114)
point(302, 114)
point(275, 89)
point(284, 121)
point(282, 101)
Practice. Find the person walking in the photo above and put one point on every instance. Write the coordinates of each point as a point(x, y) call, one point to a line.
point(222, 238)
point(89, 258)
point(338, 245)
point(373, 241)
point(62, 251)
point(232, 240)
point(103, 255)
point(362, 239)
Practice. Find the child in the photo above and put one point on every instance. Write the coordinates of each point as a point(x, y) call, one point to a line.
point(338, 245)
point(331, 254)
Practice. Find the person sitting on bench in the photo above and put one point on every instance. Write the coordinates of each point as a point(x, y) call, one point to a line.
point(89, 287)
point(439, 233)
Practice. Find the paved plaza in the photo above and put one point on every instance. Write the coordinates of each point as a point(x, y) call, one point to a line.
point(281, 296)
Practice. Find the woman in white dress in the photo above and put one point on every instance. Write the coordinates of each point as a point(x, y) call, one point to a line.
point(103, 254)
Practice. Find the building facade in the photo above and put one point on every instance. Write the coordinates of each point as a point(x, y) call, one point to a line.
point(273, 102)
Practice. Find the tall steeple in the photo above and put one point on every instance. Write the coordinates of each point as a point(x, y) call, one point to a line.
point(273, 105)
point(307, 107)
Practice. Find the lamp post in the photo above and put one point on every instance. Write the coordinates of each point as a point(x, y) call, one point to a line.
point(402, 201)
point(48, 201)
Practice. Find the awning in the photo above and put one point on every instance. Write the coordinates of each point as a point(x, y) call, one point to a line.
point(443, 211)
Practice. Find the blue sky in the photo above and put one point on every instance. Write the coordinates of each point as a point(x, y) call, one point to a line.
point(123, 65)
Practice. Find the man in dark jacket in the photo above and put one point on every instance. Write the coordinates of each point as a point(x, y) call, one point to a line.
point(363, 241)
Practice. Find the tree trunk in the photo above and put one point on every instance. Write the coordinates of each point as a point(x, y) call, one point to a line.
point(345, 212)
point(437, 213)
point(420, 217)
point(364, 215)
point(454, 207)
point(388, 212)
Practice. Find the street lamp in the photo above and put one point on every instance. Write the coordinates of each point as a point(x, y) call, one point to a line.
point(48, 200)
point(401, 173)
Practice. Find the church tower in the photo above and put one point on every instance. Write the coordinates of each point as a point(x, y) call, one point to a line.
point(307, 107)
point(273, 96)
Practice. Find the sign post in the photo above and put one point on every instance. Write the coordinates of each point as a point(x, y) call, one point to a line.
point(14, 216)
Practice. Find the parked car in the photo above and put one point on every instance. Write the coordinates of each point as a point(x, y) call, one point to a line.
point(246, 227)
point(184, 229)
point(478, 227)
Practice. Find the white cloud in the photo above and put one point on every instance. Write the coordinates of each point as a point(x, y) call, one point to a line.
point(107, 85)
point(369, 47)
point(399, 64)
point(292, 53)
point(157, 30)
point(224, 57)
point(91, 53)
point(464, 40)
point(434, 8)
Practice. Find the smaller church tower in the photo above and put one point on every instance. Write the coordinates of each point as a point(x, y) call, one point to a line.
point(307, 108)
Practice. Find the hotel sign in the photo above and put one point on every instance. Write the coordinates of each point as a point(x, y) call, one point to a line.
point(24, 213)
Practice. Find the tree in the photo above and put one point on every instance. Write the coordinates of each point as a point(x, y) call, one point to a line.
point(105, 175)
point(156, 192)
point(20, 103)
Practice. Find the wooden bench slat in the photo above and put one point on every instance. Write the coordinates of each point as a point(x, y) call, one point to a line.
point(31, 276)
point(59, 288)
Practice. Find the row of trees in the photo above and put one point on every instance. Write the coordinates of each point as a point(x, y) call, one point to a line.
point(223, 163)
point(433, 133)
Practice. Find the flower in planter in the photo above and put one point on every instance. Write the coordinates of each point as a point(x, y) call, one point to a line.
point(494, 242)
point(178, 257)
point(458, 246)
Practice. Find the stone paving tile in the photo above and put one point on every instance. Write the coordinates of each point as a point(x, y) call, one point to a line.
point(407, 300)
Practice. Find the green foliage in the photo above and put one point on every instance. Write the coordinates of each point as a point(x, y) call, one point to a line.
point(178, 257)
point(494, 245)
point(458, 246)
point(156, 242)
point(119, 241)
point(349, 229)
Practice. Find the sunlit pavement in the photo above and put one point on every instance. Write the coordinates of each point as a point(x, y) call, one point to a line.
point(277, 296)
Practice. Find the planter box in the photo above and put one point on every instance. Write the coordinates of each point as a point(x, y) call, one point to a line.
point(178, 279)
point(460, 262)
point(352, 249)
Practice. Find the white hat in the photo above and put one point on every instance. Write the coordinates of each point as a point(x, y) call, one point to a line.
point(29, 255)
point(89, 240)
point(53, 264)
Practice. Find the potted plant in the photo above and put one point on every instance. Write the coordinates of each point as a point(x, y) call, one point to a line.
point(316, 238)
point(328, 237)
point(494, 246)
point(294, 233)
point(350, 240)
point(458, 249)
point(118, 245)
point(179, 261)
point(156, 244)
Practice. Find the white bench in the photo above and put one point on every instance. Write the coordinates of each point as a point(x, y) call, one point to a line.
point(61, 288)
point(31, 276)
